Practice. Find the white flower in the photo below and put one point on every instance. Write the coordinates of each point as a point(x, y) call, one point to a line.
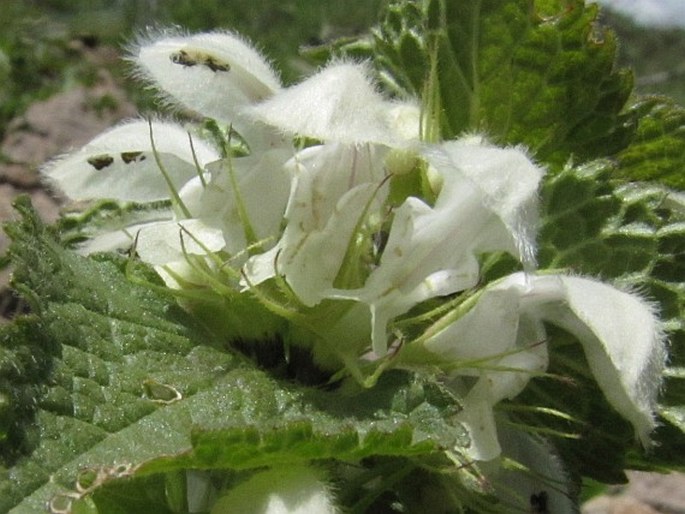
point(337, 187)
point(172, 241)
point(216, 74)
point(487, 201)
point(502, 342)
point(334, 186)
point(315, 217)
point(339, 104)
point(299, 216)
point(120, 163)
point(236, 203)
point(244, 197)
point(294, 489)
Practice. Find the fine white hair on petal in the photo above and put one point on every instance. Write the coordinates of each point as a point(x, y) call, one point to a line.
point(339, 103)
point(214, 74)
point(623, 341)
point(508, 181)
point(621, 335)
point(120, 163)
point(170, 241)
point(487, 202)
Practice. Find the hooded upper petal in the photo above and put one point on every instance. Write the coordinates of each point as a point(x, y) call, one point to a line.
point(507, 182)
point(215, 74)
point(619, 332)
point(120, 163)
point(338, 104)
point(621, 335)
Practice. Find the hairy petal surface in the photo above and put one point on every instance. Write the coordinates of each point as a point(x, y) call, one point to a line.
point(333, 185)
point(621, 336)
point(215, 74)
point(508, 182)
point(486, 202)
point(120, 163)
point(338, 104)
point(619, 332)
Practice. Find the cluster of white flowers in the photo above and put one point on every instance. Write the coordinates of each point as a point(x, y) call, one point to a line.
point(339, 200)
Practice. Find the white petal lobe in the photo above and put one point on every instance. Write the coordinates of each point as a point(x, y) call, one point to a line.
point(214, 74)
point(507, 181)
point(120, 163)
point(623, 342)
point(487, 201)
point(337, 104)
point(332, 187)
point(171, 241)
point(292, 490)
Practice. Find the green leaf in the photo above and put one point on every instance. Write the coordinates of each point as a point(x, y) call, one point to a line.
point(590, 436)
point(658, 150)
point(540, 73)
point(109, 216)
point(633, 235)
point(110, 381)
point(74, 373)
point(246, 420)
point(596, 226)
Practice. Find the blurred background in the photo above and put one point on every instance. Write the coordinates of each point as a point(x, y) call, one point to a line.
point(652, 36)
point(41, 42)
point(666, 13)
